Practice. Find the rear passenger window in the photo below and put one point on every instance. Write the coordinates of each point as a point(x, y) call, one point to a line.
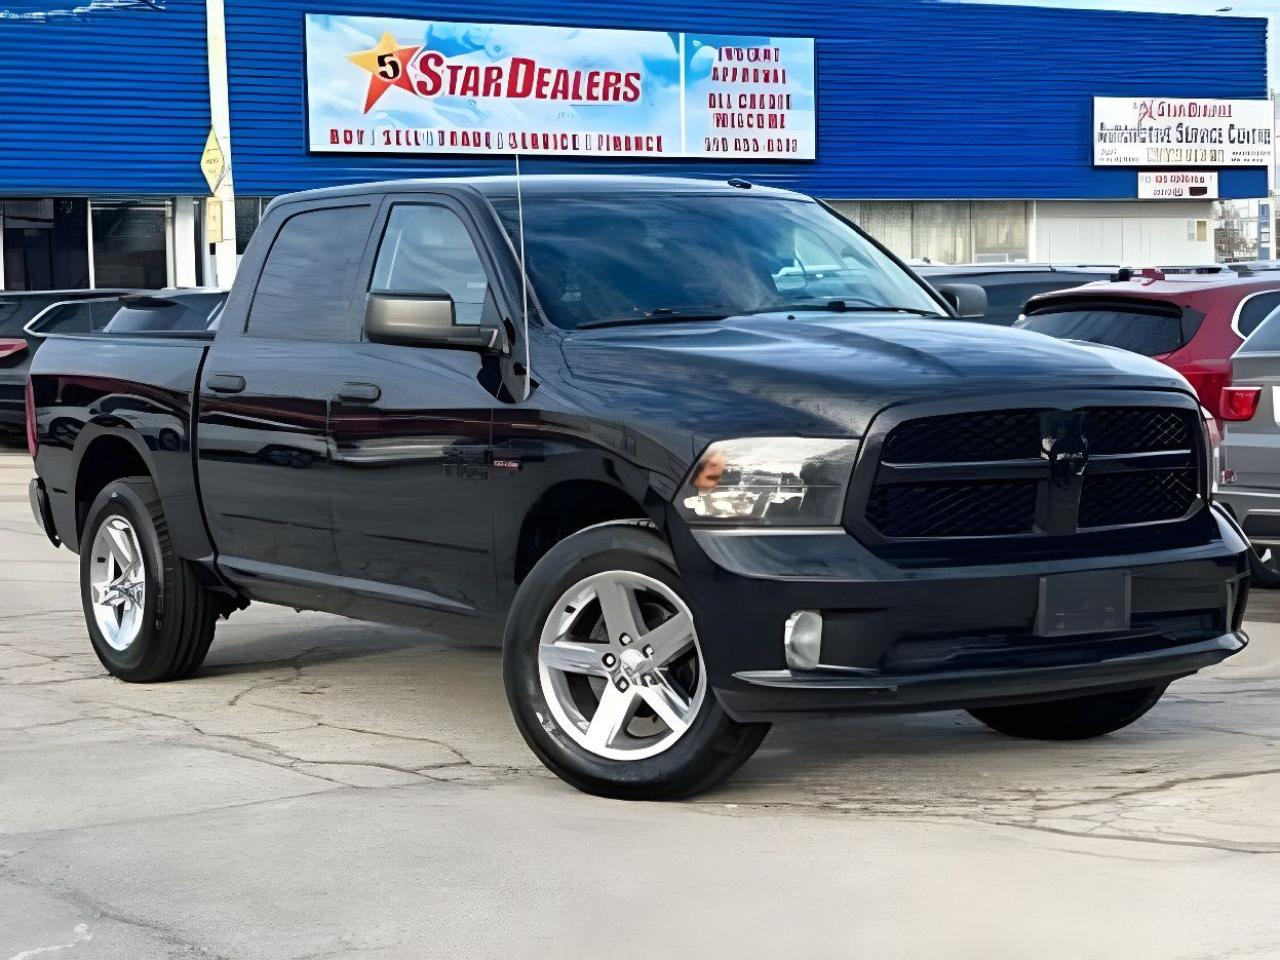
point(307, 281)
point(1266, 337)
point(427, 249)
point(1255, 309)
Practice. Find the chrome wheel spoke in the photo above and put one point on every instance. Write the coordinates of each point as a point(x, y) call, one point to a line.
point(120, 543)
point(617, 606)
point(669, 639)
point(615, 710)
point(574, 657)
point(667, 702)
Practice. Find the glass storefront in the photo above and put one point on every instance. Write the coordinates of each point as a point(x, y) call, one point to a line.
point(64, 243)
point(945, 231)
point(45, 242)
point(130, 244)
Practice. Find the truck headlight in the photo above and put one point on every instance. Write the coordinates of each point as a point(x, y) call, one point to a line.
point(773, 481)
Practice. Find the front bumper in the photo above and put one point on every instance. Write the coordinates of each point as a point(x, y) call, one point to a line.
point(943, 637)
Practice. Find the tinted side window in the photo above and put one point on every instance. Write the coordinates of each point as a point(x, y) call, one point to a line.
point(304, 292)
point(427, 249)
point(82, 316)
point(1266, 336)
point(1255, 310)
point(1005, 300)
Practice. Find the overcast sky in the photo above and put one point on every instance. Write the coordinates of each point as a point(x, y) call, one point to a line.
point(1230, 8)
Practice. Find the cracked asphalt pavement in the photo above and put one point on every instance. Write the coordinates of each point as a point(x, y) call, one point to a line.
point(327, 788)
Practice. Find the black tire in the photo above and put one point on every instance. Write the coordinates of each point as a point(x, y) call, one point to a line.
point(1079, 718)
point(179, 614)
point(1264, 567)
point(713, 746)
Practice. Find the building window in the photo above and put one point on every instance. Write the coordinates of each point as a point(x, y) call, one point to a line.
point(248, 215)
point(46, 243)
point(945, 231)
point(131, 244)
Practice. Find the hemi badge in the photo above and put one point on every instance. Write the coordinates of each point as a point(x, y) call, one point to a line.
point(506, 463)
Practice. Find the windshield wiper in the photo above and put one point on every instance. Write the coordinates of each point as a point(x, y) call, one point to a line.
point(844, 306)
point(658, 315)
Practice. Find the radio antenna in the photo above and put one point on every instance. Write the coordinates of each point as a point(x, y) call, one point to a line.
point(524, 288)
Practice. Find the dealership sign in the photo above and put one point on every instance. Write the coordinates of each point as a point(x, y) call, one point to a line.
point(383, 85)
point(1164, 132)
point(1178, 185)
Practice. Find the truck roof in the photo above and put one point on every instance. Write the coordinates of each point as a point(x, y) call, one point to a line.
point(503, 187)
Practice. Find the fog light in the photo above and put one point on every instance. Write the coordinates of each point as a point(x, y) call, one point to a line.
point(802, 639)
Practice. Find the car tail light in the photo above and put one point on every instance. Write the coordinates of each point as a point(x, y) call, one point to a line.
point(1239, 403)
point(33, 436)
point(11, 348)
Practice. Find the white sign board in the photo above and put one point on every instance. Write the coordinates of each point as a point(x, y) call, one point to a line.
point(1166, 132)
point(384, 85)
point(1178, 185)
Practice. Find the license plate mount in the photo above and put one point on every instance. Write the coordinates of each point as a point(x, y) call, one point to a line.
point(1095, 601)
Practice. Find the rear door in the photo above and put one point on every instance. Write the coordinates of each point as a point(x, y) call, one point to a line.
point(265, 391)
point(1251, 448)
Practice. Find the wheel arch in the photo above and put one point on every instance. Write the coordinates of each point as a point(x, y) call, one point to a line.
point(569, 507)
point(108, 453)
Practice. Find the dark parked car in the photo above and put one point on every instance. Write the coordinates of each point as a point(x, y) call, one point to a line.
point(17, 309)
point(1010, 285)
point(742, 466)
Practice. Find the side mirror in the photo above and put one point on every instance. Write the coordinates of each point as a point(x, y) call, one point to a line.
point(422, 320)
point(967, 299)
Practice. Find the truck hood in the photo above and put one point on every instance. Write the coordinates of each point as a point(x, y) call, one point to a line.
point(831, 372)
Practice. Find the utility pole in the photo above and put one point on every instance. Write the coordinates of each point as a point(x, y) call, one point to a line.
point(224, 246)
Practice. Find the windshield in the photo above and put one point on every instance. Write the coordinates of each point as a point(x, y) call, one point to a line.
point(601, 259)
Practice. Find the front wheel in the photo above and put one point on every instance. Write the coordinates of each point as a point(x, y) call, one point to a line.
point(605, 675)
point(1079, 718)
point(148, 615)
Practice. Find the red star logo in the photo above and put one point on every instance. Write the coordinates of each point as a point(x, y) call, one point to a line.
point(388, 63)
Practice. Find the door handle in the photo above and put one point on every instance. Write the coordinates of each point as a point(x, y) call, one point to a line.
point(225, 383)
point(359, 392)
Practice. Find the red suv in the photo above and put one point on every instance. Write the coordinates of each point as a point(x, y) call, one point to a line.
point(1194, 323)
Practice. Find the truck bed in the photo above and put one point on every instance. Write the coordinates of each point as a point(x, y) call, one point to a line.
point(135, 392)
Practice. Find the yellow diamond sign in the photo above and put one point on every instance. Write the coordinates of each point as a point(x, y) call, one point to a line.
point(213, 162)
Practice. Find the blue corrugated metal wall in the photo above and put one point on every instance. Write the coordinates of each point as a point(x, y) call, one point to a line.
point(115, 100)
point(916, 99)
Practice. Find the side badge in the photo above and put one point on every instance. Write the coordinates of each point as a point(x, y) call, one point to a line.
point(506, 463)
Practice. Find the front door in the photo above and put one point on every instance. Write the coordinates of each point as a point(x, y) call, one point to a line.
point(265, 392)
point(411, 429)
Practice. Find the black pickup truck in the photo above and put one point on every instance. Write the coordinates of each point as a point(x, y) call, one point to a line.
point(743, 465)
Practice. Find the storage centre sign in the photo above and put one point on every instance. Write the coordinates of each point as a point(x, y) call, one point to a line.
point(379, 85)
point(1164, 132)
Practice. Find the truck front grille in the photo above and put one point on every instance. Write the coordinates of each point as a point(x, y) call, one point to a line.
point(1033, 471)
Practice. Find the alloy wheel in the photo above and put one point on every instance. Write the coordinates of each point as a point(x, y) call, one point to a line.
point(620, 667)
point(117, 582)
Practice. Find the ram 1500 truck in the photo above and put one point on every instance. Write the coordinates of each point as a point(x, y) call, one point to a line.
point(743, 465)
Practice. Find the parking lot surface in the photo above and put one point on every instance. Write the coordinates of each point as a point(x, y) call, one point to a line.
point(327, 788)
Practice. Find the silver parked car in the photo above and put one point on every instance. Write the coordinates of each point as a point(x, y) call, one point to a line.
point(1249, 456)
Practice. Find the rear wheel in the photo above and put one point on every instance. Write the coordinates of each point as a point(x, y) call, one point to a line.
point(605, 675)
point(1079, 718)
point(149, 617)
